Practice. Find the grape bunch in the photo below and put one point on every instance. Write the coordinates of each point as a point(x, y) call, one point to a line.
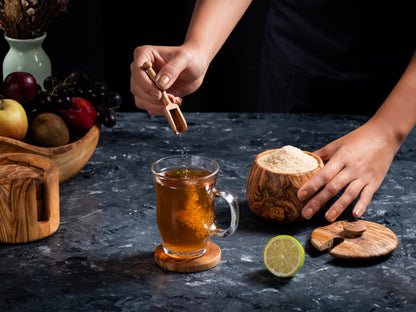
point(58, 95)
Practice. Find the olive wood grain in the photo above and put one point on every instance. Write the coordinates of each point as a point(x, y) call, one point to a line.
point(209, 260)
point(273, 196)
point(359, 240)
point(69, 158)
point(353, 229)
point(29, 197)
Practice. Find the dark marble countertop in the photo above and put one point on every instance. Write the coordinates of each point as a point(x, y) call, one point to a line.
point(101, 257)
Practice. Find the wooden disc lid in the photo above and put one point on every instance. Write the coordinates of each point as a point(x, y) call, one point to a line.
point(209, 260)
point(359, 239)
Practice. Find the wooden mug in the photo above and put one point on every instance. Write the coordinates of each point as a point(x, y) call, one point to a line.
point(29, 197)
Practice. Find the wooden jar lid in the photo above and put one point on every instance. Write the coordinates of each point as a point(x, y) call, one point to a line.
point(29, 205)
point(358, 240)
point(209, 260)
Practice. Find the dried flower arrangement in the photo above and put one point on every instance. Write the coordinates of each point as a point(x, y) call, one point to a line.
point(28, 19)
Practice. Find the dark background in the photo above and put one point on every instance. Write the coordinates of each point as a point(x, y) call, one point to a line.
point(100, 36)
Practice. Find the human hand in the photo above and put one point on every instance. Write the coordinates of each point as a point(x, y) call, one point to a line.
point(358, 161)
point(180, 71)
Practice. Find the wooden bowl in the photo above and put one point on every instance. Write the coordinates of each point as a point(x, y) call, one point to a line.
point(69, 158)
point(273, 196)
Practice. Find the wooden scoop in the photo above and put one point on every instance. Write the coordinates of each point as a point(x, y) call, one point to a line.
point(171, 111)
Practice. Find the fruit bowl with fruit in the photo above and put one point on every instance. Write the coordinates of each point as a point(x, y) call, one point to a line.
point(61, 122)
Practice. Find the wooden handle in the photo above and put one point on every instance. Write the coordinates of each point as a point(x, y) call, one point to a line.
point(171, 111)
point(147, 66)
point(353, 229)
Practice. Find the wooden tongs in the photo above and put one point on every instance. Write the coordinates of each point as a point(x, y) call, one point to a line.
point(171, 111)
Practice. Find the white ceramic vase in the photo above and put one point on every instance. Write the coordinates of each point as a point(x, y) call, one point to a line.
point(27, 55)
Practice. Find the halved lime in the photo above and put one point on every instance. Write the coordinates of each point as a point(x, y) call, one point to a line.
point(283, 255)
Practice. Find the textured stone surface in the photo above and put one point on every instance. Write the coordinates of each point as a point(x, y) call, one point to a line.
point(101, 257)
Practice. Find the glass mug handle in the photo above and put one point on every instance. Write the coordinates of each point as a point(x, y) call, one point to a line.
point(234, 210)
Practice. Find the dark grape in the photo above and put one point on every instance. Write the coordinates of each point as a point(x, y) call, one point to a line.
point(60, 90)
point(50, 83)
point(63, 101)
point(92, 96)
point(79, 77)
point(43, 101)
point(100, 86)
point(108, 118)
point(102, 96)
point(32, 110)
point(114, 100)
point(77, 91)
point(96, 95)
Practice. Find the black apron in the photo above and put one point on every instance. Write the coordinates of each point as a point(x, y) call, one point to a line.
point(334, 56)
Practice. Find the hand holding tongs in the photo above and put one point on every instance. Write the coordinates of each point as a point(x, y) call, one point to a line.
point(171, 111)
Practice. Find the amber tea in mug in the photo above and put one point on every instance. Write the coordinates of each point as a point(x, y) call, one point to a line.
point(185, 213)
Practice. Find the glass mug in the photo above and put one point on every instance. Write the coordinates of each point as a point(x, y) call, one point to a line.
point(185, 212)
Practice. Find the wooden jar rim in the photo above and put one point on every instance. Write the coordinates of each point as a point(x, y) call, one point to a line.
point(267, 152)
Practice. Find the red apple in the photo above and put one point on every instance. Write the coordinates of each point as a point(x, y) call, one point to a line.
point(20, 86)
point(80, 116)
point(13, 119)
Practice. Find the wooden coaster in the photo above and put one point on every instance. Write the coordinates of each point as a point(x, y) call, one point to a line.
point(211, 258)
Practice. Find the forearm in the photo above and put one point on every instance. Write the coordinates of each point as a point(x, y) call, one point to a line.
point(212, 22)
point(398, 112)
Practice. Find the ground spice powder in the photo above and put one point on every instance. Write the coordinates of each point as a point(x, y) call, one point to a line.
point(288, 159)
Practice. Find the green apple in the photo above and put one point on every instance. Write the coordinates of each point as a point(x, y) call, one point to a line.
point(13, 119)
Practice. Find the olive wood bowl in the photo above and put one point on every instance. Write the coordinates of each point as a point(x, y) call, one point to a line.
point(273, 196)
point(69, 158)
